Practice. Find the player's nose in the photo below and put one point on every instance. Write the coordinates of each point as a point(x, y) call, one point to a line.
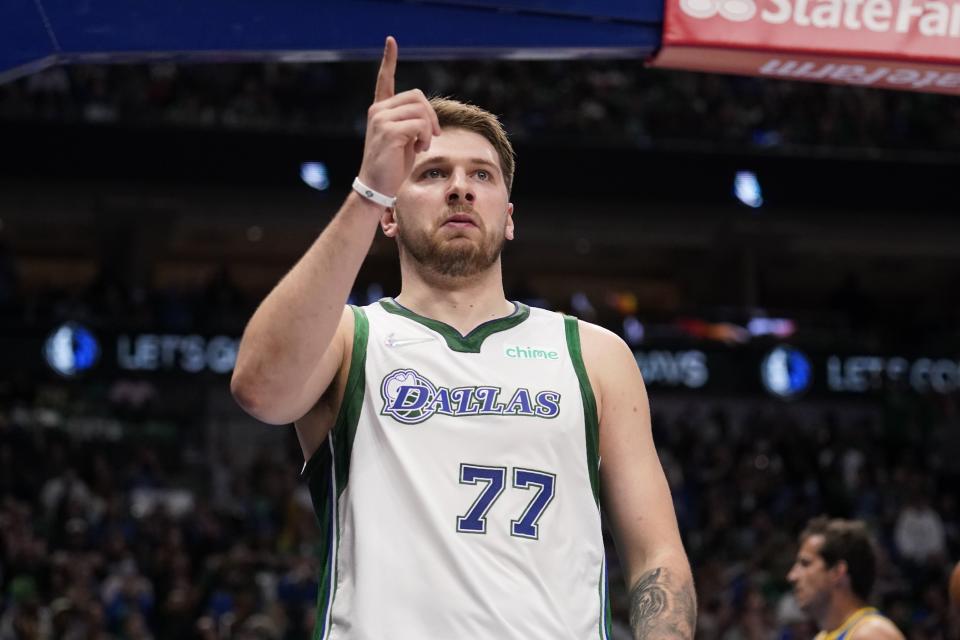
point(459, 189)
point(792, 574)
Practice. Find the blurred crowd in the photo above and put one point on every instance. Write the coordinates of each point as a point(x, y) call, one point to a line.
point(135, 537)
point(132, 537)
point(602, 102)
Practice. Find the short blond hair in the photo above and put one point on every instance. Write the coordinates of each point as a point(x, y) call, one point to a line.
point(454, 114)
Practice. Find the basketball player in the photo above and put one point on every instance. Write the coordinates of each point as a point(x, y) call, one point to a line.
point(832, 578)
point(454, 439)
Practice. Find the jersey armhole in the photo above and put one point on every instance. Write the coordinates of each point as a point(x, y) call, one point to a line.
point(591, 420)
point(345, 425)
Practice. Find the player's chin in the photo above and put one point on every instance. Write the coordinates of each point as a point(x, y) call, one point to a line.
point(460, 240)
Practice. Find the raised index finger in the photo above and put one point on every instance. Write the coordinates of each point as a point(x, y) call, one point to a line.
point(388, 68)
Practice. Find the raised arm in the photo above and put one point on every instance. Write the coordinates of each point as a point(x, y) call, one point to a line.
point(636, 497)
point(295, 342)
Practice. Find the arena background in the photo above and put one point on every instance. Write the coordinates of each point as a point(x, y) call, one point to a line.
point(783, 258)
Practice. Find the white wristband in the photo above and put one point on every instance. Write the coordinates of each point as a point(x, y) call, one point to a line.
point(372, 195)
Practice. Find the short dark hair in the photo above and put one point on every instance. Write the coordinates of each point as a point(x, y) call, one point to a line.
point(850, 541)
point(454, 114)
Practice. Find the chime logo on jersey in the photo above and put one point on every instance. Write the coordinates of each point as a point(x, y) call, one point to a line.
point(411, 398)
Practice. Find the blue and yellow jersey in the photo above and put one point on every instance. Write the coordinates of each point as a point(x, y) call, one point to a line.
point(845, 630)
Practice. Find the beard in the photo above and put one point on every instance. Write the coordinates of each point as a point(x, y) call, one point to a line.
point(458, 256)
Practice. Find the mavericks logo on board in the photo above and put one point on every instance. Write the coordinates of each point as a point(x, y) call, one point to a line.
point(786, 372)
point(411, 398)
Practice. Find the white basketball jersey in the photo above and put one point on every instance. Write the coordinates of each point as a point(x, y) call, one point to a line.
point(457, 492)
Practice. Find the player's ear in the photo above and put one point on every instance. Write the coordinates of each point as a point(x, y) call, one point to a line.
point(841, 570)
point(508, 230)
point(388, 222)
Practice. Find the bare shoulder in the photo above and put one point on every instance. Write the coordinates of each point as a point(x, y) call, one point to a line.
point(603, 347)
point(877, 628)
point(312, 428)
point(336, 361)
point(613, 372)
point(347, 325)
point(340, 358)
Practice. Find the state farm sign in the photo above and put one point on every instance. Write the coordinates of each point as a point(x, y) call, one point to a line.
point(901, 44)
point(930, 19)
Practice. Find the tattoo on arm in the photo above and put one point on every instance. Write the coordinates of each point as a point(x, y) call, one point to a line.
point(647, 601)
point(662, 607)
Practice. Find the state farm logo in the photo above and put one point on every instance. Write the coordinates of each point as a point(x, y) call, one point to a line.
point(927, 18)
point(735, 10)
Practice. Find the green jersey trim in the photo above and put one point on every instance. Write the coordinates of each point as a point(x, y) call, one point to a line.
point(345, 427)
point(591, 422)
point(590, 419)
point(456, 341)
point(321, 473)
point(328, 470)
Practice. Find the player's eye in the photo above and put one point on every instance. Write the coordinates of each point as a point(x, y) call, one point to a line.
point(433, 173)
point(483, 174)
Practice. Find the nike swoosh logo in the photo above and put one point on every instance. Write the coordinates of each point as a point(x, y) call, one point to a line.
point(392, 341)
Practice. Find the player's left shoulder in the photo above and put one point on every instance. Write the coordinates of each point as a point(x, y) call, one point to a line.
point(609, 360)
point(596, 341)
point(876, 627)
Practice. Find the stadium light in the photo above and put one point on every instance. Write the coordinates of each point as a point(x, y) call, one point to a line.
point(581, 304)
point(779, 327)
point(633, 330)
point(314, 175)
point(746, 188)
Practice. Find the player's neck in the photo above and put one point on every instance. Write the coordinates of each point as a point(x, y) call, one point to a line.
point(462, 303)
point(842, 606)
